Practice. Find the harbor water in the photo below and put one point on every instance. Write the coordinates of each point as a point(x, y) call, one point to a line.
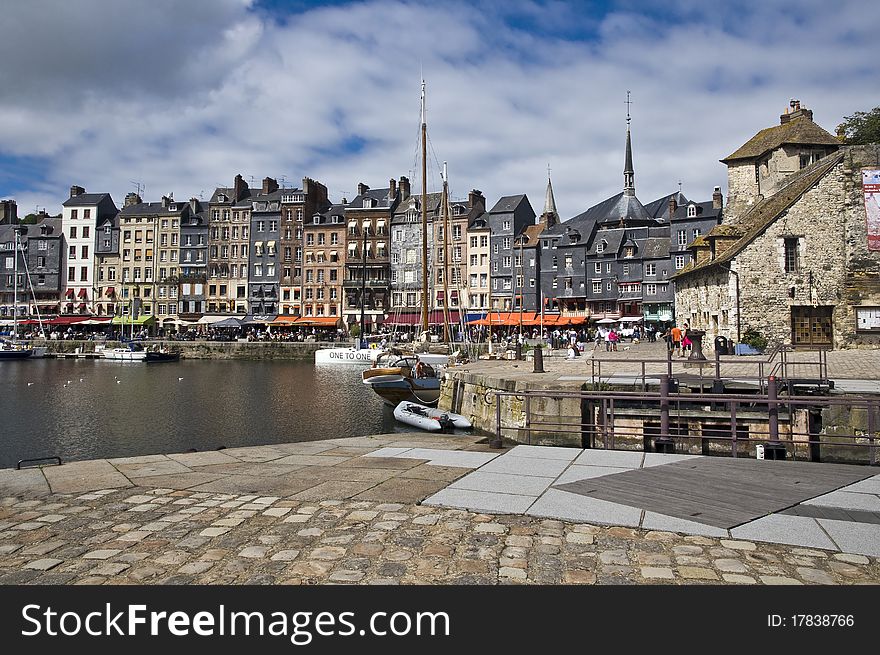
point(85, 409)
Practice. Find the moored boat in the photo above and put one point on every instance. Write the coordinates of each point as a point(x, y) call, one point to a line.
point(415, 414)
point(357, 356)
point(156, 356)
point(134, 352)
point(407, 377)
point(14, 351)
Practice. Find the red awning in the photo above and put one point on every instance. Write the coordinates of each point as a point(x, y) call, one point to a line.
point(66, 320)
point(82, 293)
point(109, 291)
point(82, 305)
point(69, 293)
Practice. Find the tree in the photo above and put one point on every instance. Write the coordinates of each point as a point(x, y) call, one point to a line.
point(31, 219)
point(861, 128)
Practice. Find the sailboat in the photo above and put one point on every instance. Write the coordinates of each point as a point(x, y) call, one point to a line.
point(13, 349)
point(413, 377)
point(132, 351)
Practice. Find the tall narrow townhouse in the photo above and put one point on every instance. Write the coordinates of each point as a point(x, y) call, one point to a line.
point(80, 215)
point(228, 243)
point(193, 262)
point(139, 226)
point(108, 261)
point(450, 238)
point(297, 205)
point(324, 267)
point(263, 264)
point(170, 215)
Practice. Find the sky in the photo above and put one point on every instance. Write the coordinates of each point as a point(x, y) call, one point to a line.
point(180, 96)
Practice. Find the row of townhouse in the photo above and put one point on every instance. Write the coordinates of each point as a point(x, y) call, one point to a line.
point(292, 252)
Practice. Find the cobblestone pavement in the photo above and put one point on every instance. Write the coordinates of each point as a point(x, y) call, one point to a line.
point(164, 536)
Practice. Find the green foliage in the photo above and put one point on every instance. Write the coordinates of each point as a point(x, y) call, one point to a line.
point(30, 219)
point(861, 128)
point(754, 339)
point(355, 330)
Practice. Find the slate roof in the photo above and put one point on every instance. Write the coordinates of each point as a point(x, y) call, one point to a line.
point(379, 195)
point(659, 208)
point(800, 131)
point(507, 204)
point(705, 210)
point(655, 248)
point(87, 199)
point(751, 224)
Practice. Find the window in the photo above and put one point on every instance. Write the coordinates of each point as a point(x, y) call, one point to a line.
point(71, 252)
point(86, 227)
point(597, 267)
point(484, 241)
point(505, 243)
point(73, 231)
point(650, 270)
point(608, 267)
point(84, 252)
point(495, 248)
point(568, 261)
point(682, 237)
point(42, 245)
point(506, 262)
point(650, 289)
point(679, 262)
point(600, 247)
point(84, 274)
point(608, 286)
point(692, 211)
point(791, 255)
point(696, 233)
point(629, 251)
point(626, 269)
point(258, 270)
point(73, 213)
point(506, 225)
point(597, 287)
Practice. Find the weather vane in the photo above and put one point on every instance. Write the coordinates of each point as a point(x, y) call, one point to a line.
point(628, 103)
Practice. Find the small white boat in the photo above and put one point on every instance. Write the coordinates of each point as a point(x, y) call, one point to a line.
point(133, 353)
point(429, 418)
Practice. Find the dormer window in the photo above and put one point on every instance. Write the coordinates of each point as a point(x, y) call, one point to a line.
point(368, 202)
point(222, 198)
point(629, 251)
point(457, 210)
point(692, 211)
point(316, 219)
point(600, 247)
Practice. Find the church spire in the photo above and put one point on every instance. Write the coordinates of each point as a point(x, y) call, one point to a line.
point(549, 200)
point(629, 175)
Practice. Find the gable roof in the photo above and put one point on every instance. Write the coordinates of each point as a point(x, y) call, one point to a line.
point(751, 224)
point(800, 131)
point(87, 199)
point(507, 204)
point(660, 208)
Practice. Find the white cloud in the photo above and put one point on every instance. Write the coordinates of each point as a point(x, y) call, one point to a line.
point(182, 96)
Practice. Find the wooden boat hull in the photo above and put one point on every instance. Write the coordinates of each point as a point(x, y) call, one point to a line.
point(395, 391)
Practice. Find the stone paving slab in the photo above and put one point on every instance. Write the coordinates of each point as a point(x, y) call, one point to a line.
point(782, 529)
point(572, 507)
point(481, 501)
point(75, 477)
point(23, 481)
point(869, 486)
point(400, 490)
point(617, 458)
point(333, 489)
point(203, 458)
point(249, 468)
point(847, 500)
point(310, 460)
point(862, 538)
point(436, 456)
point(574, 473)
point(152, 469)
point(434, 472)
point(505, 483)
point(548, 468)
point(544, 452)
point(140, 459)
point(658, 459)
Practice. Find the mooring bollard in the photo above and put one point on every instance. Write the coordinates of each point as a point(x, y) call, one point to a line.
point(539, 360)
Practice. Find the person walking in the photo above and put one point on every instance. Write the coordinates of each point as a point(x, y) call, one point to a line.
point(686, 344)
point(676, 341)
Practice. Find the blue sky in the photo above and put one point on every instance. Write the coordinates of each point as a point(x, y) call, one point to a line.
point(182, 96)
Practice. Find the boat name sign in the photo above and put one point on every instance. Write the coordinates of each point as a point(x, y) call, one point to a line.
point(350, 355)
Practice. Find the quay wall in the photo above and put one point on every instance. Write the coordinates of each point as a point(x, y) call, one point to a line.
point(576, 422)
point(258, 350)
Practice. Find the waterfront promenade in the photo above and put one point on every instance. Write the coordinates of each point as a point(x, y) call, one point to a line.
point(416, 508)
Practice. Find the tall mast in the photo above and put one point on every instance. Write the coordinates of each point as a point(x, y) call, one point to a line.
point(424, 214)
point(15, 289)
point(446, 250)
point(361, 338)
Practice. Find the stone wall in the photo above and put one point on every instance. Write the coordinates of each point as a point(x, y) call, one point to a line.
point(708, 302)
point(741, 189)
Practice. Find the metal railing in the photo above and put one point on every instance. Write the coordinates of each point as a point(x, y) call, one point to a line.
point(708, 423)
point(776, 363)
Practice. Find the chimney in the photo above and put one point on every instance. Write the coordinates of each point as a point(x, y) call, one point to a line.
point(269, 185)
point(673, 205)
point(796, 112)
point(475, 197)
point(307, 186)
point(8, 212)
point(362, 188)
point(132, 199)
point(165, 201)
point(194, 205)
point(239, 187)
point(717, 198)
point(392, 188)
point(404, 187)
point(76, 191)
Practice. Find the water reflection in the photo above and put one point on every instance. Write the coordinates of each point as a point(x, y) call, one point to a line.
point(84, 409)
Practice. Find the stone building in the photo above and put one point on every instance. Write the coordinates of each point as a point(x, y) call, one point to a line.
point(507, 220)
point(478, 280)
point(193, 262)
point(792, 259)
point(228, 242)
point(451, 252)
point(296, 206)
point(40, 270)
point(80, 214)
point(527, 258)
point(406, 255)
point(263, 264)
point(324, 267)
point(108, 261)
point(367, 280)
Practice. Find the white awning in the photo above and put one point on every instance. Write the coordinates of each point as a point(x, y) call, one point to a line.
point(258, 244)
point(630, 319)
point(352, 223)
point(208, 320)
point(270, 244)
point(352, 246)
point(380, 222)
